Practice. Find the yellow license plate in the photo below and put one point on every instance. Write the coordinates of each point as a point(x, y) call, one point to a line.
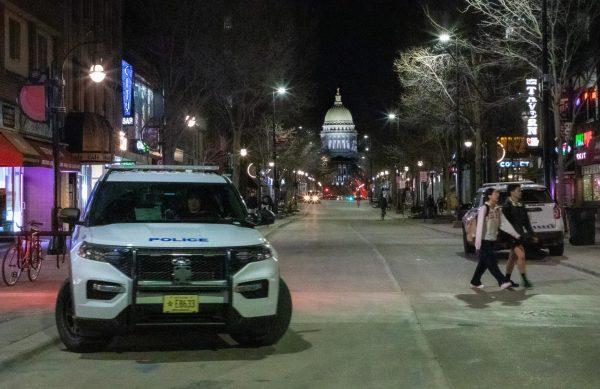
point(181, 303)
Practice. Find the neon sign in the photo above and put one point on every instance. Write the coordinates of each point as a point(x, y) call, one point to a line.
point(127, 85)
point(514, 164)
point(531, 85)
point(581, 156)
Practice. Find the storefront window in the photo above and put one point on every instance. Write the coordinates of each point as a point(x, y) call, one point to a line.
point(588, 194)
point(11, 183)
point(596, 187)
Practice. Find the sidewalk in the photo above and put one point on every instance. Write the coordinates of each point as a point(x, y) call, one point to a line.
point(27, 308)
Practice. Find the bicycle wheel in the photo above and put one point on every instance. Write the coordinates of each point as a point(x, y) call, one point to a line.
point(11, 266)
point(35, 264)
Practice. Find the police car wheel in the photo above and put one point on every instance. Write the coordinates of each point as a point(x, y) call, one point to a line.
point(67, 329)
point(269, 334)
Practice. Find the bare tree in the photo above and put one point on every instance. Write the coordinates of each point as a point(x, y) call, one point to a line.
point(512, 31)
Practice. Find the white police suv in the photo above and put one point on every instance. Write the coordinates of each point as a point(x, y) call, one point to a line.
point(170, 246)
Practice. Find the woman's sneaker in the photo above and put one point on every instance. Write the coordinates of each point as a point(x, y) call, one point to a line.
point(505, 285)
point(480, 286)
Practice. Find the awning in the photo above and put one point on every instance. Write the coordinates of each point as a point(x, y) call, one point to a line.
point(89, 136)
point(68, 162)
point(16, 151)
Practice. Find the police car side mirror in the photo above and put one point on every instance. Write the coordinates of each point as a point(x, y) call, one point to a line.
point(69, 215)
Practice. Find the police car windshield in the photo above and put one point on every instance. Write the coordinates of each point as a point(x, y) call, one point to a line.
point(152, 202)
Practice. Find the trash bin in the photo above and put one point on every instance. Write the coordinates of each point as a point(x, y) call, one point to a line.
point(582, 226)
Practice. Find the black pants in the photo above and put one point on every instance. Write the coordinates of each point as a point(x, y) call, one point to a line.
point(487, 261)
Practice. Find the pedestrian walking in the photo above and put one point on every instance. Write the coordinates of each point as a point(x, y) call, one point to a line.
point(383, 203)
point(488, 225)
point(358, 200)
point(515, 212)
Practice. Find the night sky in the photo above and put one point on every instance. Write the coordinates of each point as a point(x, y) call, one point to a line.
point(358, 41)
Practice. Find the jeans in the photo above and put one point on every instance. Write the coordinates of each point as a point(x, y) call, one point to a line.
point(487, 261)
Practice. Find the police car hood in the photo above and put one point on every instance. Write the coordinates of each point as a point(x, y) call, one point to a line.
point(165, 235)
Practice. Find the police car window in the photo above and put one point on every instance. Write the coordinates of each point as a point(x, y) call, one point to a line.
point(534, 196)
point(151, 202)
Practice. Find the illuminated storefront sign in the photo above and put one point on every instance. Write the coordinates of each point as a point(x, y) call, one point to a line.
point(531, 85)
point(583, 139)
point(127, 85)
point(581, 156)
point(506, 164)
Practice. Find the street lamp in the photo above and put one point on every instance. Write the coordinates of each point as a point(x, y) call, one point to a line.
point(56, 104)
point(97, 73)
point(444, 37)
point(392, 117)
point(420, 163)
point(271, 164)
point(281, 90)
point(190, 121)
point(468, 144)
point(406, 168)
point(243, 152)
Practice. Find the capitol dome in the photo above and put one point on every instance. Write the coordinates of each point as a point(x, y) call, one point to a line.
point(338, 114)
point(338, 136)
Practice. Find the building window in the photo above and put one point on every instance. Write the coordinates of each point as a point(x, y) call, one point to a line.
point(43, 51)
point(15, 45)
point(14, 39)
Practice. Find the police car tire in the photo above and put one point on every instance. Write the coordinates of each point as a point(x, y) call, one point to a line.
point(267, 335)
point(557, 251)
point(66, 330)
point(469, 249)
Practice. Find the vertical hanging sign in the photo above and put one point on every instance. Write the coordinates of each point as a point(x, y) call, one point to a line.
point(531, 85)
point(127, 86)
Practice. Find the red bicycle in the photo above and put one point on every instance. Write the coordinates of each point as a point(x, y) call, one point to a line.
point(25, 254)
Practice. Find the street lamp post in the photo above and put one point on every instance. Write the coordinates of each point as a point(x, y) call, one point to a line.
point(56, 85)
point(279, 91)
point(445, 38)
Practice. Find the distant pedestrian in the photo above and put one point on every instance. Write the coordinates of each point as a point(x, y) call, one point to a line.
point(383, 203)
point(516, 214)
point(488, 225)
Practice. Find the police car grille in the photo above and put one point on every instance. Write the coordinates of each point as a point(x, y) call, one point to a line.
point(203, 266)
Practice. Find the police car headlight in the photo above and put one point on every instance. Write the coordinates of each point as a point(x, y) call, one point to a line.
point(116, 256)
point(244, 256)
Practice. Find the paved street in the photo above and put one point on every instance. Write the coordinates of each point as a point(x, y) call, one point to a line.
point(376, 304)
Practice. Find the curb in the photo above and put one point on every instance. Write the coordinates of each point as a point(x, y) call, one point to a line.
point(27, 347)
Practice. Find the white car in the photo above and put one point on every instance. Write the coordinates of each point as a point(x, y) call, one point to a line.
point(169, 246)
point(546, 217)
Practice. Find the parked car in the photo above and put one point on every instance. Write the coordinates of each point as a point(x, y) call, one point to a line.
point(545, 215)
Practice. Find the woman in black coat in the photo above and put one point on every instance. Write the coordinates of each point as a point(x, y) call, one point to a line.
point(516, 214)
